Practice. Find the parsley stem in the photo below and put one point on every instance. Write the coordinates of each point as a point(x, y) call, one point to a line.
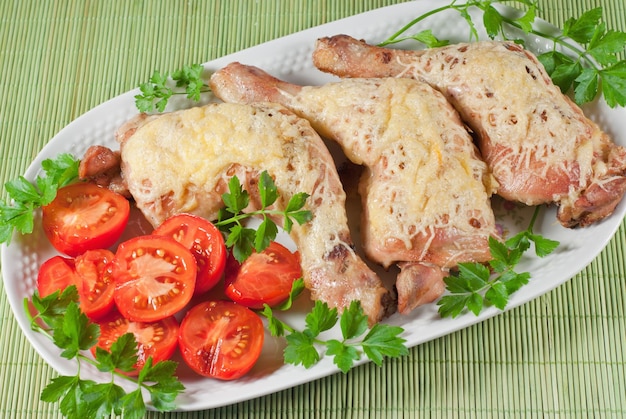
point(242, 216)
point(394, 38)
point(531, 225)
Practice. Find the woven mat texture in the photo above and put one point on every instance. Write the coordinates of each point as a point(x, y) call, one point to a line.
point(560, 355)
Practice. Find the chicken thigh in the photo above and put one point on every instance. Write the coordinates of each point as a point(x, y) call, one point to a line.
point(182, 162)
point(539, 145)
point(425, 192)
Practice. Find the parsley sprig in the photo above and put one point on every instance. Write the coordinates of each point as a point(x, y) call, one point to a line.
point(305, 347)
point(241, 239)
point(59, 318)
point(18, 212)
point(590, 65)
point(156, 93)
point(476, 285)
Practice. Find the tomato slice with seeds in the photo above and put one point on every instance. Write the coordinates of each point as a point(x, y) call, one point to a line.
point(154, 277)
point(221, 339)
point(263, 278)
point(56, 274)
point(154, 339)
point(204, 240)
point(89, 272)
point(95, 291)
point(84, 216)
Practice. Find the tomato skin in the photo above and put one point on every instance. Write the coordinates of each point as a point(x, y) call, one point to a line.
point(263, 278)
point(206, 243)
point(84, 216)
point(221, 339)
point(56, 274)
point(89, 272)
point(155, 339)
point(96, 288)
point(154, 277)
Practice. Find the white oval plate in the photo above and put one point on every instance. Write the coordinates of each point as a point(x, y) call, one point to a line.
point(289, 58)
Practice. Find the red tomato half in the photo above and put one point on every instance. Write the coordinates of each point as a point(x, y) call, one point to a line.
point(95, 291)
point(205, 242)
point(263, 278)
point(154, 277)
point(84, 216)
point(56, 274)
point(157, 339)
point(89, 272)
point(221, 339)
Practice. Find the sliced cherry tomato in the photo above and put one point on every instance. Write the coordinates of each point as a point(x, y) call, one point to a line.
point(89, 272)
point(221, 339)
point(154, 277)
point(263, 278)
point(156, 339)
point(56, 274)
point(95, 291)
point(84, 216)
point(205, 242)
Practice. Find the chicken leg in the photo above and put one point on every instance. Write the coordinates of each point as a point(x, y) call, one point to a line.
point(539, 145)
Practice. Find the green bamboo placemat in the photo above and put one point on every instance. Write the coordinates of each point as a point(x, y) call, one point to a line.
point(559, 355)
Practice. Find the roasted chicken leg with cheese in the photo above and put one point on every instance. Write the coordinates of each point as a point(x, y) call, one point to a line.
point(539, 145)
point(424, 190)
point(182, 162)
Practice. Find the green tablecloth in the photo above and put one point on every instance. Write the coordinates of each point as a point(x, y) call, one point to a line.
point(559, 355)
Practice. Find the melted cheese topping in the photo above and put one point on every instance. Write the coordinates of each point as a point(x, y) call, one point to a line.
point(533, 131)
point(179, 161)
point(424, 173)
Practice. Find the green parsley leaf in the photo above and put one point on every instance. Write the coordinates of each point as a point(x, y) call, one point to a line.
point(190, 77)
point(132, 405)
point(75, 333)
point(243, 240)
point(122, 355)
point(166, 386)
point(102, 399)
point(297, 287)
point(614, 84)
point(236, 199)
point(384, 341)
point(267, 190)
point(321, 318)
point(26, 197)
point(51, 308)
point(586, 85)
point(266, 232)
point(343, 355)
point(492, 20)
point(582, 29)
point(564, 75)
point(526, 21)
point(427, 38)
point(474, 286)
point(300, 349)
point(353, 321)
point(302, 346)
point(274, 325)
point(605, 47)
point(156, 93)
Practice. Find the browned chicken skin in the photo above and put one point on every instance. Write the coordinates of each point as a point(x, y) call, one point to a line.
point(182, 162)
point(425, 203)
point(539, 145)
